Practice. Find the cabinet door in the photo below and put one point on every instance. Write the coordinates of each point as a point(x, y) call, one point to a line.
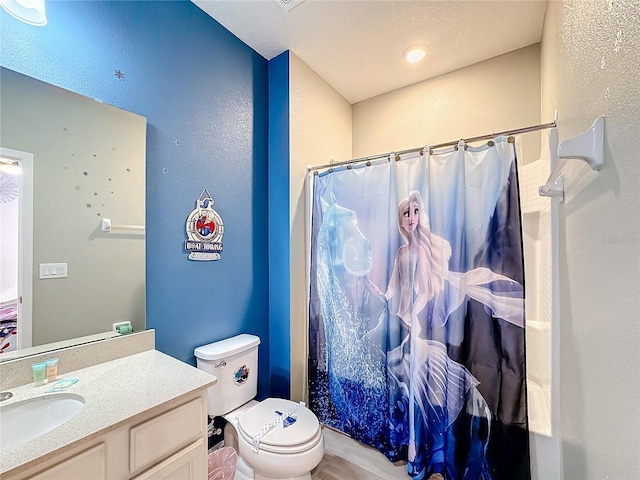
point(190, 463)
point(88, 465)
point(155, 439)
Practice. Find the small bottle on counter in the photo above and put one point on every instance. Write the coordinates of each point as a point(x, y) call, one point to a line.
point(38, 373)
point(52, 370)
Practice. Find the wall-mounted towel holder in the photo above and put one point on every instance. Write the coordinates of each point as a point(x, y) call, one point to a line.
point(108, 227)
point(589, 146)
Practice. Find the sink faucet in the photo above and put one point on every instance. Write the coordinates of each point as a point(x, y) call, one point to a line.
point(5, 396)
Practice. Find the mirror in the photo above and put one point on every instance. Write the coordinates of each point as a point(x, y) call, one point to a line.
point(86, 162)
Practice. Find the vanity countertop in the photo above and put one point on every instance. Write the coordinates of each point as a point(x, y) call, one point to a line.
point(115, 392)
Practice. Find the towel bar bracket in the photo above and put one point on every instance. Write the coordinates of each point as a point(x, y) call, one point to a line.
point(589, 146)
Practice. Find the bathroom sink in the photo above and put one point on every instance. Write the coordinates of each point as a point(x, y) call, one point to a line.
point(23, 421)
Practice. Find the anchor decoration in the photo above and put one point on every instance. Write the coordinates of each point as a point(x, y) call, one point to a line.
point(241, 375)
point(204, 230)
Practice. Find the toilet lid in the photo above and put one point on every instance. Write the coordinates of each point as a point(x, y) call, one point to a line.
point(300, 427)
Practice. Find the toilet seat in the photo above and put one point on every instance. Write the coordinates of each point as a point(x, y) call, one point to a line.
point(302, 434)
point(284, 450)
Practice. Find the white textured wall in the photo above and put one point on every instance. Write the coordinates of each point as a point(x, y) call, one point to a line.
point(590, 65)
point(320, 131)
point(491, 96)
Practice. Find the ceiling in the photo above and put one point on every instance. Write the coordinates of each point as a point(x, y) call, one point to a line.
point(356, 46)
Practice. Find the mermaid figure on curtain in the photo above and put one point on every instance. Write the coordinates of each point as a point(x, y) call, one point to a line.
point(421, 273)
point(422, 293)
point(365, 353)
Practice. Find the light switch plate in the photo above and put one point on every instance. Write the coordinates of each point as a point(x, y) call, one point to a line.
point(53, 270)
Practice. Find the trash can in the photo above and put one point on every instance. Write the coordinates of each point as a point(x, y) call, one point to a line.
point(222, 464)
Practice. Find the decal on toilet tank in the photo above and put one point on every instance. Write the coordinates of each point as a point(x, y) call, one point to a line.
point(241, 375)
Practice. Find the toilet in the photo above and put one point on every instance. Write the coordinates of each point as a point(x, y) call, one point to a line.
point(274, 438)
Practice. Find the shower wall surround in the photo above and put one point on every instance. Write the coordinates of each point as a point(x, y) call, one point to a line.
point(537, 239)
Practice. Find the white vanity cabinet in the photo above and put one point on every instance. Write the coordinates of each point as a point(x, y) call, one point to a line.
point(151, 442)
point(186, 464)
point(167, 442)
point(144, 417)
point(88, 465)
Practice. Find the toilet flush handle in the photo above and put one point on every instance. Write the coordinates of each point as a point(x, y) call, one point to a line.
point(221, 364)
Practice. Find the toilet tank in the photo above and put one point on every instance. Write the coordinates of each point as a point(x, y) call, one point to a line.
point(234, 362)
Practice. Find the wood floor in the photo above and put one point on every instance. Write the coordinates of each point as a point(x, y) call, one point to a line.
point(346, 459)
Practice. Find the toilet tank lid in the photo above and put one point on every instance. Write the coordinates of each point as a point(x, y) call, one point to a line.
point(227, 347)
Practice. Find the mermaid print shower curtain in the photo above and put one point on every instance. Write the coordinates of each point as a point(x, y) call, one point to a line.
point(417, 311)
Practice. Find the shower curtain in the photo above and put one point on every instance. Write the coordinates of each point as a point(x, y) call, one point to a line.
point(416, 338)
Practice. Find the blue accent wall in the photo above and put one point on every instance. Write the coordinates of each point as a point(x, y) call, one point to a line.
point(279, 229)
point(205, 95)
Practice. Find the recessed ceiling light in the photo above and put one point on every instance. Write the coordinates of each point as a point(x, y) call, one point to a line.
point(415, 53)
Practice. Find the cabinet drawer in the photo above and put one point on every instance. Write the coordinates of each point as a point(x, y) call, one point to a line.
point(88, 465)
point(153, 440)
point(190, 463)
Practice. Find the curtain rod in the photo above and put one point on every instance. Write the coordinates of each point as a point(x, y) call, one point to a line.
point(431, 147)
